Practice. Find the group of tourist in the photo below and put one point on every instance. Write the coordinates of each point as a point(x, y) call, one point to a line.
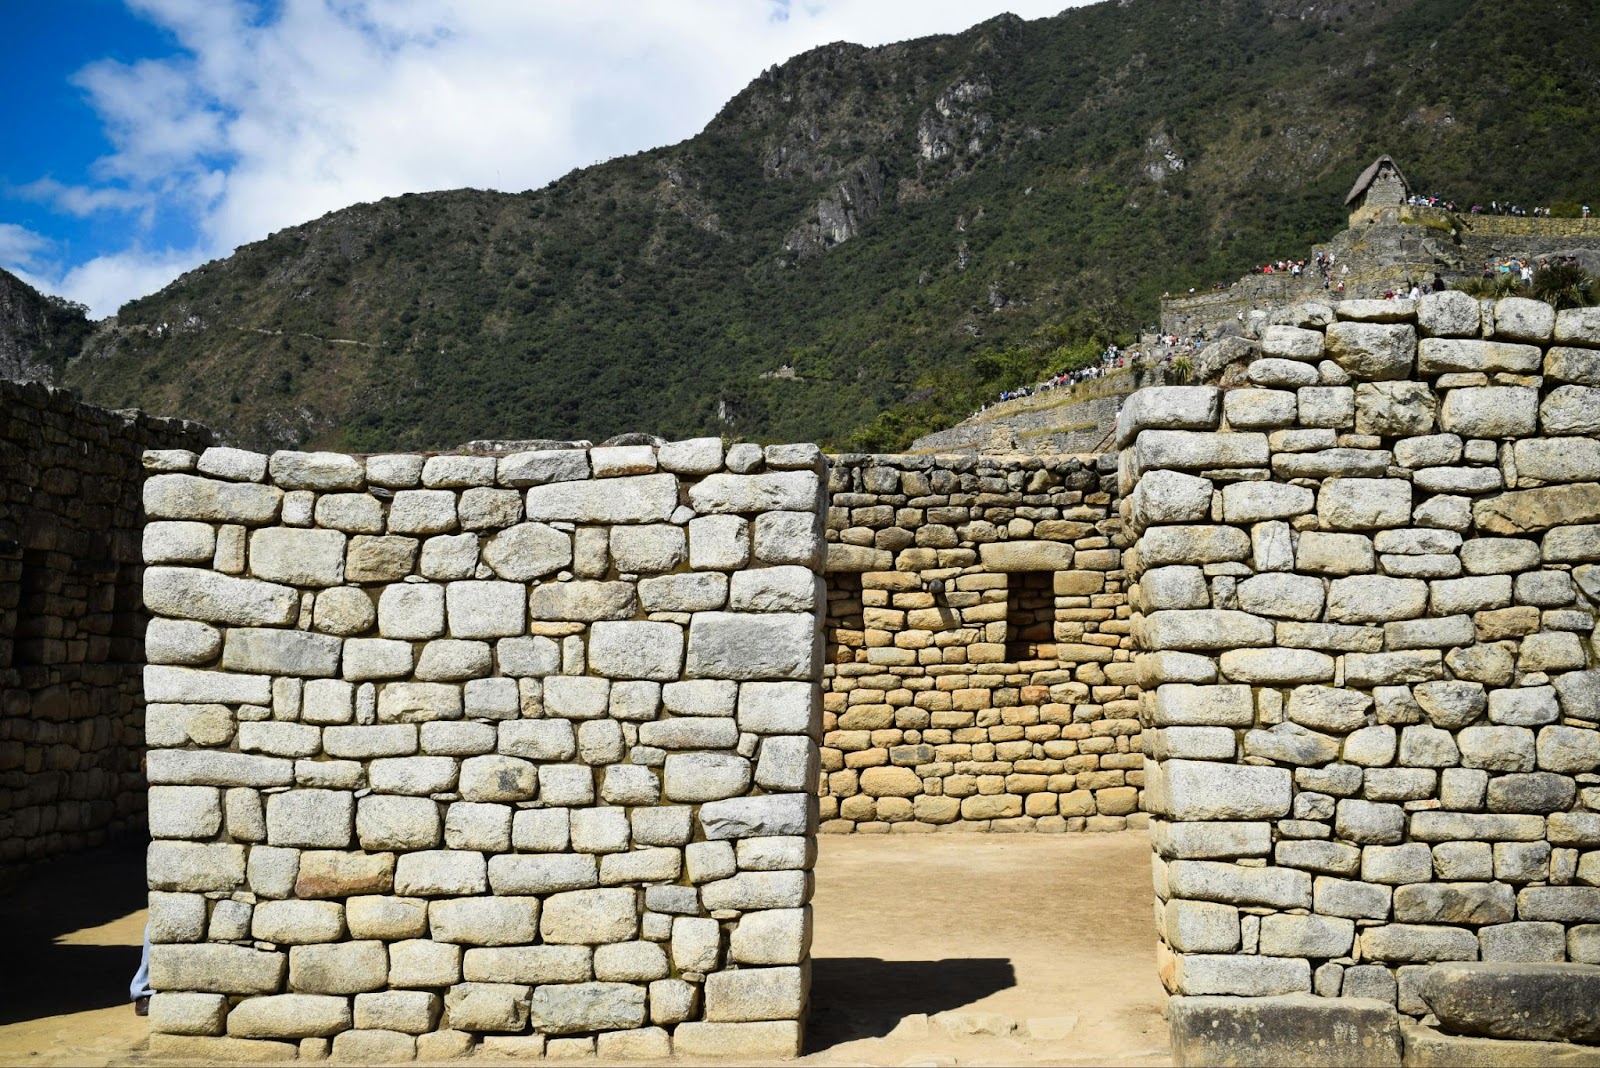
point(1433, 200)
point(1523, 267)
point(1114, 358)
point(1322, 261)
point(1494, 207)
point(1413, 290)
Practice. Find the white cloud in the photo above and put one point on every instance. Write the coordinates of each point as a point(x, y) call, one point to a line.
point(20, 247)
point(258, 125)
point(82, 200)
point(106, 282)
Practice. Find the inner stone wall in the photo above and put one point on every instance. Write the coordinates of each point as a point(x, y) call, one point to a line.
point(71, 627)
point(979, 672)
point(515, 753)
point(1366, 594)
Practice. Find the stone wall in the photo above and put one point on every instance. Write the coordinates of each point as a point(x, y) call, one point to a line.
point(71, 628)
point(516, 753)
point(1366, 595)
point(979, 672)
point(1076, 419)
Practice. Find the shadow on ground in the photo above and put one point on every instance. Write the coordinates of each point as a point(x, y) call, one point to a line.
point(864, 997)
point(44, 977)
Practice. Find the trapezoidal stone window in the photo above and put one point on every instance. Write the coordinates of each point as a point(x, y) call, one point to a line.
point(1031, 617)
point(843, 627)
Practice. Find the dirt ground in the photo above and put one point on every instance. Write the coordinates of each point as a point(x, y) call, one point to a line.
point(938, 950)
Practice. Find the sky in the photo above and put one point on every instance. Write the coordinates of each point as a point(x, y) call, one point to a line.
point(145, 137)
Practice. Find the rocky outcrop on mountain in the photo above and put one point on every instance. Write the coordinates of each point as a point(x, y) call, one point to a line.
point(38, 334)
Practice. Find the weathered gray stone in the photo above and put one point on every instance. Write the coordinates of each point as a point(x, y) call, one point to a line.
point(569, 1008)
point(1233, 884)
point(1573, 365)
point(769, 645)
point(1169, 407)
point(397, 823)
point(496, 777)
point(1372, 351)
point(1334, 554)
point(353, 513)
point(440, 873)
point(375, 559)
point(1454, 903)
point(289, 1016)
point(1395, 408)
point(1190, 545)
point(1249, 975)
point(215, 969)
point(188, 1014)
point(190, 593)
point(493, 1007)
point(583, 601)
point(311, 818)
point(1497, 748)
point(485, 921)
point(1375, 598)
point(1370, 823)
point(1170, 497)
point(1516, 1000)
point(281, 652)
point(176, 496)
point(417, 702)
point(1436, 826)
point(1250, 502)
point(636, 650)
point(1401, 943)
point(1191, 450)
point(1326, 708)
point(1254, 409)
point(1291, 1029)
point(748, 817)
point(773, 491)
point(1206, 629)
point(1356, 900)
point(1280, 667)
point(1364, 503)
point(750, 994)
point(1571, 410)
point(1490, 412)
point(590, 917)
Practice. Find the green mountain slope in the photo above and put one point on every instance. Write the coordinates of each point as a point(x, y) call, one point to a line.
point(865, 223)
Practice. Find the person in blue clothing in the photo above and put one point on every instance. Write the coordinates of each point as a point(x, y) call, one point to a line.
point(139, 990)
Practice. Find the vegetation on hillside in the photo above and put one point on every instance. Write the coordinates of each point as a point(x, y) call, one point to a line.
point(864, 242)
point(1559, 285)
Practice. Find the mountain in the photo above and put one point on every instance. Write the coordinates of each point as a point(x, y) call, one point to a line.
point(38, 334)
point(865, 240)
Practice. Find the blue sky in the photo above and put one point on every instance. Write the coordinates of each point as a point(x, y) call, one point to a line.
point(148, 136)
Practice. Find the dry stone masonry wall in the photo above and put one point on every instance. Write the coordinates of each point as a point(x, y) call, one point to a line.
point(71, 627)
point(511, 752)
point(1367, 589)
point(979, 664)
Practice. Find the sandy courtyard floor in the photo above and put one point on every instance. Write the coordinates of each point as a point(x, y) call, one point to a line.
point(936, 950)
